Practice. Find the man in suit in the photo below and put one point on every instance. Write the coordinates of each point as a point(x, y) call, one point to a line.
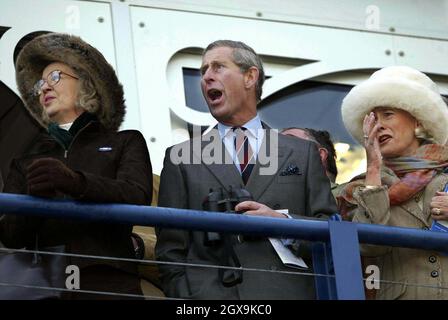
point(325, 147)
point(280, 172)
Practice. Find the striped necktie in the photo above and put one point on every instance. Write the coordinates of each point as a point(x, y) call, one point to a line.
point(244, 153)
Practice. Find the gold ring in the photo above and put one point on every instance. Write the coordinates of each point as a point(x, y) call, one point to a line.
point(437, 211)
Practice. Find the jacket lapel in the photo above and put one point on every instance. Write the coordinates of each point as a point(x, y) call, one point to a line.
point(389, 178)
point(221, 165)
point(413, 208)
point(258, 183)
point(225, 170)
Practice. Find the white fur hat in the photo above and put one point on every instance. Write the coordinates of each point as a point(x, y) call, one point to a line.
point(402, 88)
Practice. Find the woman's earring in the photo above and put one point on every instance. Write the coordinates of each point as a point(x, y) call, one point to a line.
point(419, 133)
point(422, 134)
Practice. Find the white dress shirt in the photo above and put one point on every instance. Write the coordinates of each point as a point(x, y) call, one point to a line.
point(254, 132)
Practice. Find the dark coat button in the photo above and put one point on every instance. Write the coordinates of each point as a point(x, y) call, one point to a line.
point(432, 259)
point(434, 274)
point(276, 206)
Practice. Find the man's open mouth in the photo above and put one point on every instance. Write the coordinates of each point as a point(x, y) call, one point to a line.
point(214, 94)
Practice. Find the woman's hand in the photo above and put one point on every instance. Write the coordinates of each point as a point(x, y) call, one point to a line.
point(374, 159)
point(48, 176)
point(258, 209)
point(439, 206)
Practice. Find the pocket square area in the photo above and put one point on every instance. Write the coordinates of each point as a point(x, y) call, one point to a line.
point(290, 170)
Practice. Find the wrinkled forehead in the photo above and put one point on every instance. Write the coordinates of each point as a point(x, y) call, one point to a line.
point(217, 54)
point(382, 109)
point(56, 65)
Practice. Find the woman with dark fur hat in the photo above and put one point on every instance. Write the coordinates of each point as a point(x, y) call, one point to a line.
point(71, 90)
point(401, 119)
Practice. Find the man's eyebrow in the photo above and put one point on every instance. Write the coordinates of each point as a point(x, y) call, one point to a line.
point(203, 68)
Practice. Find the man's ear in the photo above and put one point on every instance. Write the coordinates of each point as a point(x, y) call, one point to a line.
point(323, 153)
point(251, 77)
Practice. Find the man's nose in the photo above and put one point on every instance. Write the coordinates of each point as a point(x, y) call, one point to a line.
point(208, 75)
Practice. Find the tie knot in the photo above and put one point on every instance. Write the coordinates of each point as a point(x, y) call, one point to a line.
point(239, 128)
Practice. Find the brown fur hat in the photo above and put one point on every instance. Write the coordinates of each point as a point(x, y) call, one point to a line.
point(84, 60)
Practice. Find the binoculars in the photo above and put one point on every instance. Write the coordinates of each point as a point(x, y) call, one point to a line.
point(222, 200)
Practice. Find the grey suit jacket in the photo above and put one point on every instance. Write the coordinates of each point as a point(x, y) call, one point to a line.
point(186, 185)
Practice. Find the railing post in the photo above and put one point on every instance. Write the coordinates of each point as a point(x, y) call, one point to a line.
point(346, 260)
point(323, 264)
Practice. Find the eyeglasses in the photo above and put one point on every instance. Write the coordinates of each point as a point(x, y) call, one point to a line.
point(52, 79)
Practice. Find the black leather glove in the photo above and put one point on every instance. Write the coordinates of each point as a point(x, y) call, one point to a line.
point(48, 177)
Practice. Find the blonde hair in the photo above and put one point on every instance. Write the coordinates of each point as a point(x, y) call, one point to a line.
point(88, 98)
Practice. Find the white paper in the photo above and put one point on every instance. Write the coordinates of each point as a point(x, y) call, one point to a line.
point(443, 223)
point(288, 258)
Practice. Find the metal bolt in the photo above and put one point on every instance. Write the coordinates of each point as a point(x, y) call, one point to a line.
point(388, 52)
point(259, 14)
point(401, 53)
point(100, 19)
point(141, 24)
point(152, 139)
point(392, 29)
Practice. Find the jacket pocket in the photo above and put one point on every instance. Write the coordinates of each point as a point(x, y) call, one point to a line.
point(289, 179)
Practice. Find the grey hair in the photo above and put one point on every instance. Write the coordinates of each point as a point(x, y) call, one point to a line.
point(244, 57)
point(87, 97)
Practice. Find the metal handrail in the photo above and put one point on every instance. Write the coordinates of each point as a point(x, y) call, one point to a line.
point(304, 229)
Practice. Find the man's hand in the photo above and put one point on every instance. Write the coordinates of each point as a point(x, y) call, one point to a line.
point(47, 177)
point(258, 209)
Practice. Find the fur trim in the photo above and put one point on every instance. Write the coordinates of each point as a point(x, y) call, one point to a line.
point(82, 58)
point(398, 87)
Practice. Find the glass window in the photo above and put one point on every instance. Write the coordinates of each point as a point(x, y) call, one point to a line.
point(192, 86)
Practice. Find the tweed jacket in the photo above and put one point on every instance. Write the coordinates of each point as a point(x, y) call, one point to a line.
point(185, 185)
point(406, 267)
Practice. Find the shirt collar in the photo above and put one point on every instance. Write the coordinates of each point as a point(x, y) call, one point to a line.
point(66, 126)
point(253, 126)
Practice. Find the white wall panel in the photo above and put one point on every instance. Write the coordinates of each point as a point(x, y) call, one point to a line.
point(420, 18)
point(75, 17)
point(160, 34)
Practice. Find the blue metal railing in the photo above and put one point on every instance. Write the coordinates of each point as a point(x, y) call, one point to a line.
point(337, 249)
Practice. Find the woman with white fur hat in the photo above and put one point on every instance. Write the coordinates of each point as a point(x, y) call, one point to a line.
point(401, 119)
